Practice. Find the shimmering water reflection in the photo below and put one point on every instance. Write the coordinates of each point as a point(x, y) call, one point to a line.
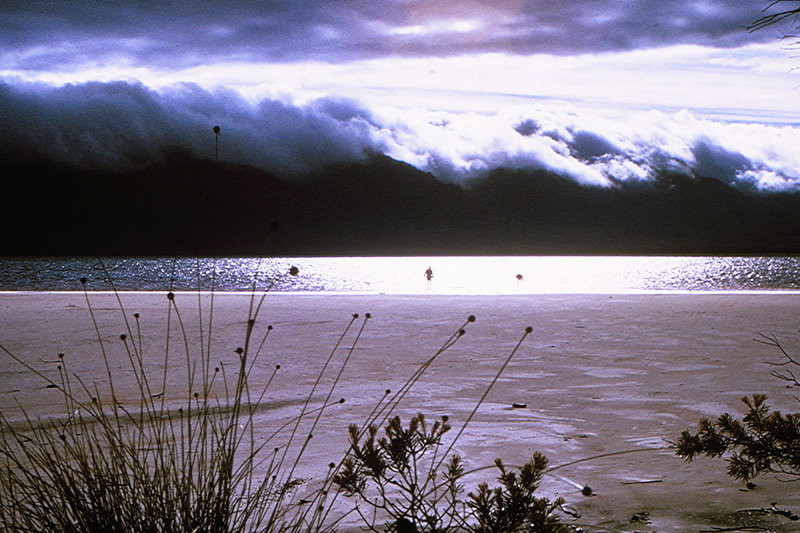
point(406, 275)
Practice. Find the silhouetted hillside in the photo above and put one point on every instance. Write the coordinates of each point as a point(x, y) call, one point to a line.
point(182, 205)
point(189, 206)
point(380, 207)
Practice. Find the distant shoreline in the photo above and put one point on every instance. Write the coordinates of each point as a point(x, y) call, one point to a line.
point(640, 292)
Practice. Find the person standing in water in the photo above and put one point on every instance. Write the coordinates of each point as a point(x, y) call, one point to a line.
point(429, 275)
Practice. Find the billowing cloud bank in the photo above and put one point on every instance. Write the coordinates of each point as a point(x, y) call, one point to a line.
point(122, 125)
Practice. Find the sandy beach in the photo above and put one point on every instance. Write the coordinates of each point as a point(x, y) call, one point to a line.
point(606, 378)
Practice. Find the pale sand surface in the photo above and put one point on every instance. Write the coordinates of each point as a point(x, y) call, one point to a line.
point(600, 374)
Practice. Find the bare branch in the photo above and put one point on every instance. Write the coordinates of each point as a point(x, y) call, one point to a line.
point(771, 19)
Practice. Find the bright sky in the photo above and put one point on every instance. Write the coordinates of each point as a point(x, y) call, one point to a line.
point(404, 65)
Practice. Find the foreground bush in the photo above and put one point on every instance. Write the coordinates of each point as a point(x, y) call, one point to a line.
point(763, 441)
point(400, 475)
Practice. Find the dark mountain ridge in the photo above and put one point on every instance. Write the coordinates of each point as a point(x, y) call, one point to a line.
point(184, 205)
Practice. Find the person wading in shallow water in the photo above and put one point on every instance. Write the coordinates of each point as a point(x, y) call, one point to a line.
point(429, 275)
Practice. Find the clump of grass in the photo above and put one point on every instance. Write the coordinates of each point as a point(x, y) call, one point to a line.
point(189, 457)
point(189, 464)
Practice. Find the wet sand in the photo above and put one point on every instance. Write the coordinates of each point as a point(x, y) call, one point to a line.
point(606, 380)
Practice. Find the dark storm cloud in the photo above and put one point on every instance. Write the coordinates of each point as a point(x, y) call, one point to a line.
point(118, 126)
point(44, 35)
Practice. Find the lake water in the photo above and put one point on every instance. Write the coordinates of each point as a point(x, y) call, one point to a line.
point(405, 275)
